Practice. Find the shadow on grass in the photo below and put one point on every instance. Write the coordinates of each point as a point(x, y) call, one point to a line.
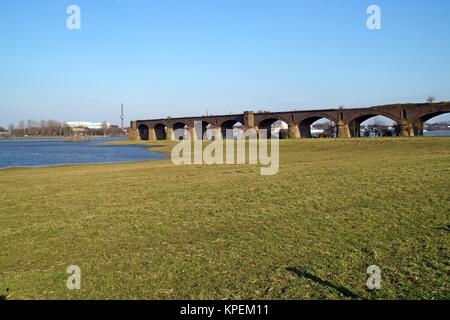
point(304, 274)
point(2, 297)
point(444, 228)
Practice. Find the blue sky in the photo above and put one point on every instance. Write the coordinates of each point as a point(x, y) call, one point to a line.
point(179, 58)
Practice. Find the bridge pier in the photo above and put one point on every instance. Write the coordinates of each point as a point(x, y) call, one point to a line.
point(217, 133)
point(343, 131)
point(406, 129)
point(251, 131)
point(152, 134)
point(133, 132)
point(294, 132)
point(249, 119)
point(169, 134)
point(192, 133)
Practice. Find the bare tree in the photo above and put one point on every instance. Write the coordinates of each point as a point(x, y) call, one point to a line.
point(329, 130)
point(431, 99)
point(36, 128)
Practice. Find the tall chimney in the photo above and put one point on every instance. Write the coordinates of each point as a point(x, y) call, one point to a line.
point(122, 117)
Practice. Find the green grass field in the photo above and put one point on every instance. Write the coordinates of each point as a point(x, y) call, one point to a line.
point(151, 230)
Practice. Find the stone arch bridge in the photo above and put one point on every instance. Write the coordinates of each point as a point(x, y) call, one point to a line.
point(410, 119)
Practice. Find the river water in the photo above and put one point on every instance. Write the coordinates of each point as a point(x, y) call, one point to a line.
point(437, 133)
point(51, 152)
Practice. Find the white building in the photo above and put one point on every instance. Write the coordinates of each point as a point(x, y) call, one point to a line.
point(87, 124)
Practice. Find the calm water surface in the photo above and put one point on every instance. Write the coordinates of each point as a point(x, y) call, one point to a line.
point(437, 133)
point(51, 152)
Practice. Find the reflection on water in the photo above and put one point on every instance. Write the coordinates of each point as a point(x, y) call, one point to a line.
point(50, 152)
point(437, 133)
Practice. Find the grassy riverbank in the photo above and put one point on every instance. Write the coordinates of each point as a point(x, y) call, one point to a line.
point(156, 231)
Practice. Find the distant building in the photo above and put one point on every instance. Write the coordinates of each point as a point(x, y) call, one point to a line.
point(89, 125)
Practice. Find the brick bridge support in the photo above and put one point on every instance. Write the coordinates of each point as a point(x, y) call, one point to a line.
point(294, 131)
point(151, 134)
point(343, 130)
point(133, 133)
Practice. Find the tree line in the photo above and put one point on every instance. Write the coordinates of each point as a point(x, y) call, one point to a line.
point(53, 128)
point(42, 128)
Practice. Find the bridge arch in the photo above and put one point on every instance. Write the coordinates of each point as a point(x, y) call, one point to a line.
point(305, 125)
point(274, 125)
point(355, 123)
point(419, 122)
point(143, 132)
point(180, 130)
point(230, 125)
point(273, 117)
point(160, 131)
point(204, 132)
